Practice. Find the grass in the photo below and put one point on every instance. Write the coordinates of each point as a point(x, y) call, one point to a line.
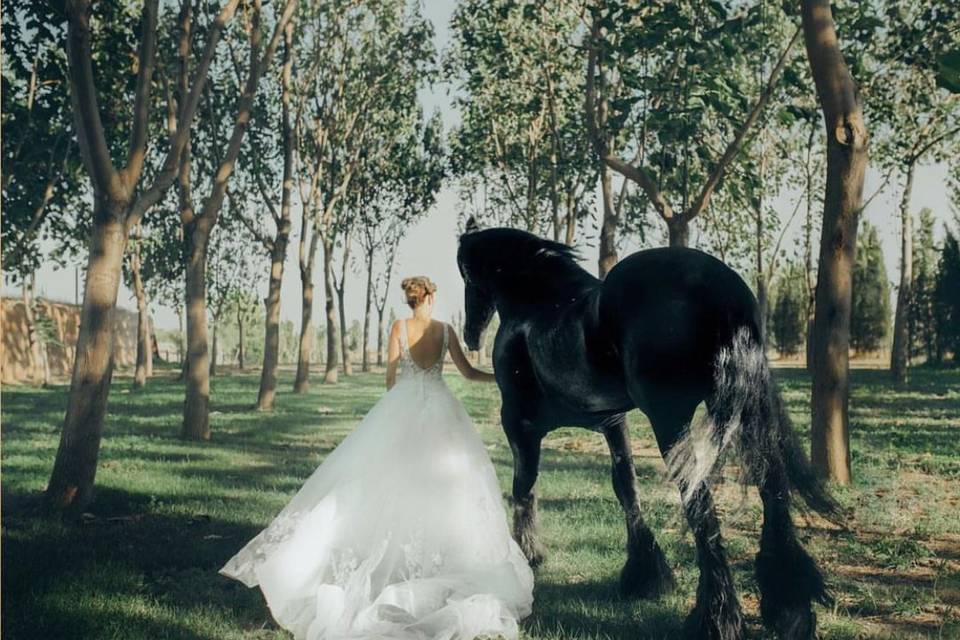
point(168, 513)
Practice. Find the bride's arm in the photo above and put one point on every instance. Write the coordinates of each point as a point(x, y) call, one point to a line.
point(467, 370)
point(393, 355)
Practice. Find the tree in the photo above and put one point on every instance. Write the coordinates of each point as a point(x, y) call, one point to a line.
point(922, 312)
point(133, 274)
point(908, 98)
point(381, 53)
point(629, 45)
point(846, 151)
point(42, 171)
point(260, 160)
point(870, 316)
point(397, 184)
point(199, 225)
point(788, 316)
point(520, 138)
point(120, 198)
point(947, 299)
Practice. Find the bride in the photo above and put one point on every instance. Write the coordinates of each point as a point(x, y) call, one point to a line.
point(400, 533)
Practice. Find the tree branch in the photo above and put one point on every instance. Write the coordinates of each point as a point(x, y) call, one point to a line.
point(141, 105)
point(83, 97)
point(733, 148)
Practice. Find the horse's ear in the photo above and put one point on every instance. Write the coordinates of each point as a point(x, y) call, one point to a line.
point(472, 225)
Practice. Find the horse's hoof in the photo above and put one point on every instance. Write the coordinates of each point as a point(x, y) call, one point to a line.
point(646, 581)
point(701, 624)
point(793, 623)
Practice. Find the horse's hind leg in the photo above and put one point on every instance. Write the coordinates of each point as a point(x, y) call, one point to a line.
point(717, 614)
point(646, 573)
point(788, 577)
point(526, 465)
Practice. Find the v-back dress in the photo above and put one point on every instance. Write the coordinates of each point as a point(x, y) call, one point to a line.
point(400, 533)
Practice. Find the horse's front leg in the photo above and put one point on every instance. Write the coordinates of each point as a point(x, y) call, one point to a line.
point(646, 573)
point(525, 444)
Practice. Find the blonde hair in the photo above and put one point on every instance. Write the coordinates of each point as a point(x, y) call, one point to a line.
point(417, 289)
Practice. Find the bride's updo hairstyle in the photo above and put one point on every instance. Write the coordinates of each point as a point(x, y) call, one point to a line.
point(416, 289)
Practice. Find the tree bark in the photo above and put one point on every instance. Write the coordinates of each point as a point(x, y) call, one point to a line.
point(240, 355)
point(808, 250)
point(365, 359)
point(278, 252)
point(341, 295)
point(380, 313)
point(213, 347)
point(70, 488)
point(196, 403)
point(144, 346)
point(271, 341)
point(900, 352)
point(608, 226)
point(305, 352)
point(330, 306)
point(846, 164)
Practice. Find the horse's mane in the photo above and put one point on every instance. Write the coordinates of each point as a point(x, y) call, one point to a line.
point(524, 258)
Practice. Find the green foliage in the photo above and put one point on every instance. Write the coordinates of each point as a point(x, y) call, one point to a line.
point(922, 310)
point(870, 315)
point(788, 317)
point(947, 298)
point(520, 151)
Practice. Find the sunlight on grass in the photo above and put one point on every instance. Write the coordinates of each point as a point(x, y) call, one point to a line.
point(168, 513)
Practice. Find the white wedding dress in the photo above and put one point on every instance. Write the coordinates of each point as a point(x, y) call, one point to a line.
point(399, 534)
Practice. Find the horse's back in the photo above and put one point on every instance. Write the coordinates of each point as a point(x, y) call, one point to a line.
point(670, 310)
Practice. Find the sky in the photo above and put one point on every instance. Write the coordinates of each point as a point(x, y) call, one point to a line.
point(430, 245)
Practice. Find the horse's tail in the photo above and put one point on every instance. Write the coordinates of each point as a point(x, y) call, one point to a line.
point(746, 416)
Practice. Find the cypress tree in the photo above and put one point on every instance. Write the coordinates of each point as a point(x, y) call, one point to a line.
point(921, 318)
point(870, 317)
point(788, 318)
point(947, 299)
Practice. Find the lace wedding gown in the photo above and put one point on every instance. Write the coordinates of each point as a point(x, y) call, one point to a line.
point(399, 534)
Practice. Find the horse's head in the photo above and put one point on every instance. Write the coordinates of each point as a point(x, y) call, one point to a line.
point(478, 298)
point(515, 267)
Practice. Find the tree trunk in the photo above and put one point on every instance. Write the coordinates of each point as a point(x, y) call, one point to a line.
point(900, 353)
point(70, 488)
point(196, 404)
point(678, 230)
point(144, 347)
point(762, 297)
point(365, 366)
point(808, 253)
point(33, 339)
point(240, 363)
point(181, 345)
point(344, 338)
point(330, 306)
point(271, 340)
point(341, 295)
point(213, 348)
point(608, 226)
point(846, 163)
point(571, 217)
point(305, 353)
point(380, 328)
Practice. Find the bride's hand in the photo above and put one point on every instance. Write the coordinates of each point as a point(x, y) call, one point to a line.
point(466, 369)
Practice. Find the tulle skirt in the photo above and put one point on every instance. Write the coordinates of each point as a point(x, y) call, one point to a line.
point(399, 534)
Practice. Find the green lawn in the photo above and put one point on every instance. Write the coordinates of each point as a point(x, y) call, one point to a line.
point(169, 513)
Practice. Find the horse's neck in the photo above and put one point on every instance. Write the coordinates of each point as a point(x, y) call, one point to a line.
point(548, 288)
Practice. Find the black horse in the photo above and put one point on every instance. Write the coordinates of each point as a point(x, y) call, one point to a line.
point(666, 330)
